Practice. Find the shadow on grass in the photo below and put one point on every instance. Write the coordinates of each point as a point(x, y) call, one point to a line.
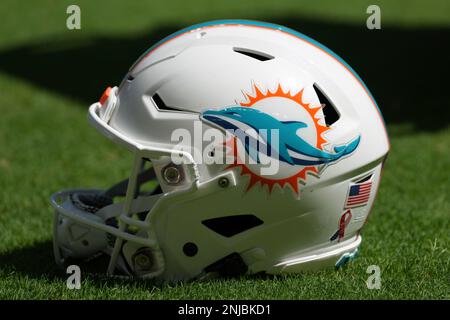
point(407, 70)
point(37, 262)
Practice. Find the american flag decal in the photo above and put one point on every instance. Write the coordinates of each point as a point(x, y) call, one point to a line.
point(358, 194)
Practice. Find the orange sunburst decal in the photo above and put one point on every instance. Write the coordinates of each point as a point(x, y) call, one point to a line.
point(265, 100)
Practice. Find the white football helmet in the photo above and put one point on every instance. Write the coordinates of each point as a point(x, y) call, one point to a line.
point(264, 148)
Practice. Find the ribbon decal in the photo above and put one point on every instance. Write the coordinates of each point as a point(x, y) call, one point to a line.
point(343, 223)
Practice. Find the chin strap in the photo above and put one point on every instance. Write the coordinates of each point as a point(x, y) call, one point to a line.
point(92, 202)
point(120, 188)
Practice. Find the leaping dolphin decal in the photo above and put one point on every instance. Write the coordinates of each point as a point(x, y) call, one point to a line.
point(287, 132)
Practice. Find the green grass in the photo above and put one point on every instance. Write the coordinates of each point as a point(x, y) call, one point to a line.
point(46, 145)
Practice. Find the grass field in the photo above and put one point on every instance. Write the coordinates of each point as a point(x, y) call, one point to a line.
point(49, 75)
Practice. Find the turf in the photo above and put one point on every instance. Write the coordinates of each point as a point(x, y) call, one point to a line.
point(49, 75)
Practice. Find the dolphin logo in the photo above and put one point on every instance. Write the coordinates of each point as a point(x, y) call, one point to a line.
point(306, 154)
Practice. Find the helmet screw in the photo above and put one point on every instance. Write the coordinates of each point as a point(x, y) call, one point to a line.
point(142, 259)
point(223, 182)
point(172, 175)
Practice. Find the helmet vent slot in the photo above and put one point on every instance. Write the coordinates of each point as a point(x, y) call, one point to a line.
point(159, 102)
point(161, 105)
point(232, 225)
point(366, 178)
point(261, 56)
point(329, 110)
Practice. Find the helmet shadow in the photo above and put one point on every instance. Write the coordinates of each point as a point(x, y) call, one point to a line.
point(407, 77)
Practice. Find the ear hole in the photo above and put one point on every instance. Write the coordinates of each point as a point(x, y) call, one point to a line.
point(261, 56)
point(329, 110)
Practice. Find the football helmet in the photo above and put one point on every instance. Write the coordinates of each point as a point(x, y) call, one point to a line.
point(260, 150)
